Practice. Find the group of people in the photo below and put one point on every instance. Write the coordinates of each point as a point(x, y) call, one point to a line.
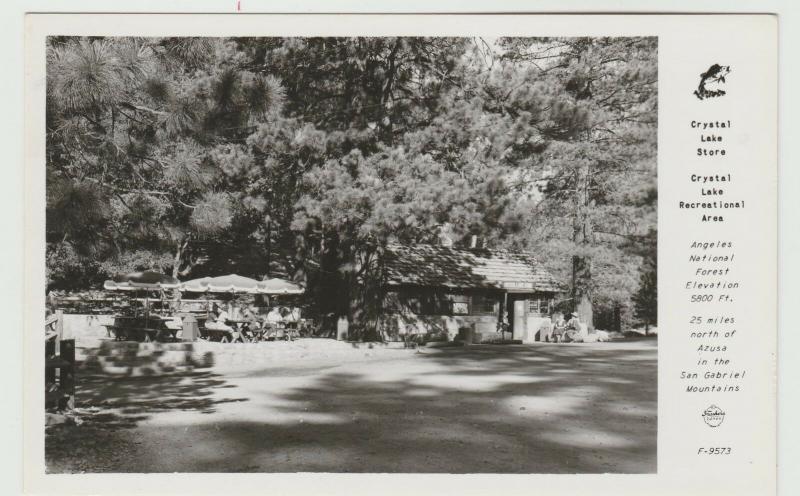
point(565, 330)
point(278, 323)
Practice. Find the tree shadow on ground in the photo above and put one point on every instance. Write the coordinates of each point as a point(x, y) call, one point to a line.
point(485, 409)
point(109, 407)
point(134, 397)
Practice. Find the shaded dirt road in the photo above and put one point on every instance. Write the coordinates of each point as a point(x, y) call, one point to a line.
point(579, 408)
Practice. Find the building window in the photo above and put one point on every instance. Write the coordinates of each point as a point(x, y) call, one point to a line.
point(539, 306)
point(460, 304)
point(428, 304)
point(434, 304)
point(484, 305)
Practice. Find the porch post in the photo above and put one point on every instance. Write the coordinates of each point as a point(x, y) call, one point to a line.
point(504, 316)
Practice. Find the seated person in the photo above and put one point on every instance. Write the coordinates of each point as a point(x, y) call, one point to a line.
point(292, 315)
point(251, 323)
point(272, 322)
point(574, 322)
point(218, 323)
point(274, 317)
point(249, 315)
point(573, 328)
point(559, 327)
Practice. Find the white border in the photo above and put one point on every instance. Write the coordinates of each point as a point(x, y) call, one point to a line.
point(11, 133)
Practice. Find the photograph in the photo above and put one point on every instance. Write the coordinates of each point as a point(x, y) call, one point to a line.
point(350, 254)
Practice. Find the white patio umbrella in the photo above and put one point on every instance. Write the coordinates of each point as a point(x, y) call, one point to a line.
point(232, 283)
point(277, 286)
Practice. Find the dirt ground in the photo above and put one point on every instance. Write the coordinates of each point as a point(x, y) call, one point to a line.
point(545, 408)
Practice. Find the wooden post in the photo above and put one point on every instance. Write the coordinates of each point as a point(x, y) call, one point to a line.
point(504, 316)
point(59, 334)
point(59, 366)
point(67, 374)
point(59, 330)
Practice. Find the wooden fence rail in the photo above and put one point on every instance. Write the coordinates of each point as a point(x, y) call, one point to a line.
point(59, 365)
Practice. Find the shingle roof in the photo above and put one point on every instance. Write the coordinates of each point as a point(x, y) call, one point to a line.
point(441, 266)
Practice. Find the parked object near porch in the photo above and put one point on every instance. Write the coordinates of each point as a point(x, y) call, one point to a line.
point(545, 332)
point(467, 335)
point(342, 326)
point(191, 330)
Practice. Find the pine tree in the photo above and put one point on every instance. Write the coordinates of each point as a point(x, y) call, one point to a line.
point(131, 124)
point(310, 155)
point(588, 108)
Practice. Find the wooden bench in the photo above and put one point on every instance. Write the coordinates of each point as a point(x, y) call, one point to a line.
point(221, 335)
point(145, 334)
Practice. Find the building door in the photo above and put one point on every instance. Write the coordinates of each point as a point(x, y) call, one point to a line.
point(519, 317)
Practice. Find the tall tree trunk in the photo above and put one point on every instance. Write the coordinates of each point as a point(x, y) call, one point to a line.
point(370, 291)
point(582, 294)
point(582, 263)
point(268, 247)
point(176, 263)
point(332, 288)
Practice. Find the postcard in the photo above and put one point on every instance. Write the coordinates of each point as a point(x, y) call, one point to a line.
point(445, 254)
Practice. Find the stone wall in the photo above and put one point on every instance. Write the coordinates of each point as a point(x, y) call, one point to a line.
point(396, 327)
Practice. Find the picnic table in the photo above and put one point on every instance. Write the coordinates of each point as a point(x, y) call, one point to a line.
point(249, 331)
point(221, 335)
point(151, 328)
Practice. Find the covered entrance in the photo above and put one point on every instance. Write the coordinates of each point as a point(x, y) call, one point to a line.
point(527, 312)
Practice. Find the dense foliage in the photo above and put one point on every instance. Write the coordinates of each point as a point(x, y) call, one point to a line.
point(303, 157)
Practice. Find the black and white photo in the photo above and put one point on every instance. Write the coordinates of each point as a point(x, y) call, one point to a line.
point(351, 254)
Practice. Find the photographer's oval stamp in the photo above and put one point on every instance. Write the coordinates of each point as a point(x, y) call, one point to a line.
point(713, 416)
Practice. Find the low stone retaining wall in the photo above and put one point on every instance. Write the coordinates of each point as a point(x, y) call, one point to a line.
point(133, 359)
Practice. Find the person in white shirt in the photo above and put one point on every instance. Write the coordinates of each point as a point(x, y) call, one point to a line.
point(291, 316)
point(274, 316)
point(219, 323)
point(275, 321)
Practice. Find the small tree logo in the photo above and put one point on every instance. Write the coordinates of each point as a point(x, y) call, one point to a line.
point(711, 82)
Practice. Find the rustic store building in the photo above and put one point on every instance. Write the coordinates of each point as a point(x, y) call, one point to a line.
point(439, 290)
